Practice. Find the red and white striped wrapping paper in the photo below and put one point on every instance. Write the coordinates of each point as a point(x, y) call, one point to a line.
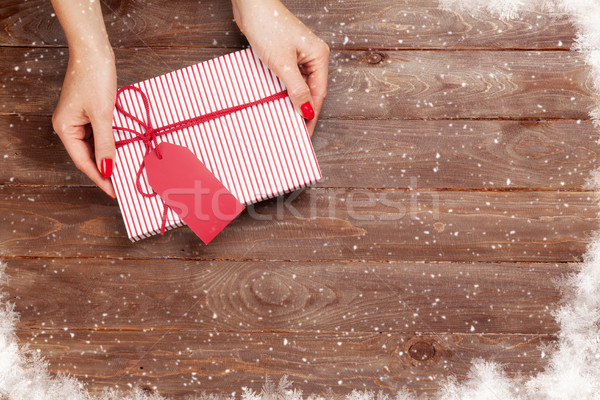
point(257, 153)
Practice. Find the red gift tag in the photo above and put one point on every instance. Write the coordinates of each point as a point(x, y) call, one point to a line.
point(191, 190)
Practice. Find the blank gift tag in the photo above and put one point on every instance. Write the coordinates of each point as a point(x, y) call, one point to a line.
point(191, 190)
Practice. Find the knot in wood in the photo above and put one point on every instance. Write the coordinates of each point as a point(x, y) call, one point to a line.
point(375, 58)
point(271, 290)
point(422, 351)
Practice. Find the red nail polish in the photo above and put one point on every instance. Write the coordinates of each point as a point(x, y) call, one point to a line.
point(114, 198)
point(106, 167)
point(307, 110)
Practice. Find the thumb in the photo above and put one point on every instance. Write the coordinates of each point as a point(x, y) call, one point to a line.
point(298, 90)
point(104, 143)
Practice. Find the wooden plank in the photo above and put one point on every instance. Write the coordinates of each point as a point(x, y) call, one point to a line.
point(177, 363)
point(363, 84)
point(354, 24)
point(388, 154)
point(457, 154)
point(458, 85)
point(317, 224)
point(286, 296)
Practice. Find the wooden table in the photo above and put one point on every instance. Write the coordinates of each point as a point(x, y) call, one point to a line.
point(455, 152)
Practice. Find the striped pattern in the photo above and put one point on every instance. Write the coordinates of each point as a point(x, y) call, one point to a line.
point(257, 153)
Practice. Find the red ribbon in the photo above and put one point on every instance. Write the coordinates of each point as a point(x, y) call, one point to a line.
point(149, 133)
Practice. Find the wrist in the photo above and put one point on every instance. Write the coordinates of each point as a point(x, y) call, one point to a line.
point(245, 12)
point(91, 49)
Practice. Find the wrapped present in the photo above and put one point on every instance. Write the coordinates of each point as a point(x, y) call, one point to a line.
point(235, 117)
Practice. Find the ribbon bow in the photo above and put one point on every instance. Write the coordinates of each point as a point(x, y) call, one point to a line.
point(149, 133)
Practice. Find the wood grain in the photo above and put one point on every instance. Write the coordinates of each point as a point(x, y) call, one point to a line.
point(455, 151)
point(402, 153)
point(432, 84)
point(350, 24)
point(282, 296)
point(462, 154)
point(180, 363)
point(362, 84)
point(316, 224)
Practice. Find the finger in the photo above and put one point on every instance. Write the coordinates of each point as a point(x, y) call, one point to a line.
point(80, 152)
point(317, 82)
point(311, 126)
point(318, 93)
point(104, 142)
point(297, 88)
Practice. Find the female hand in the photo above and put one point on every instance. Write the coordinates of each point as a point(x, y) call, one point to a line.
point(291, 50)
point(88, 93)
point(88, 97)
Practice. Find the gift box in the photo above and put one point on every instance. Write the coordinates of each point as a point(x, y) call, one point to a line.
point(236, 118)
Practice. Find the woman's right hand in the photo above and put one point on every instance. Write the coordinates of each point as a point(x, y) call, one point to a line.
point(83, 116)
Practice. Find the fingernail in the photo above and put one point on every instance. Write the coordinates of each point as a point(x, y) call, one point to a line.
point(307, 110)
point(106, 167)
point(114, 198)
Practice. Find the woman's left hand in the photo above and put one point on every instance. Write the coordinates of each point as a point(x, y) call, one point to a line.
point(291, 50)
